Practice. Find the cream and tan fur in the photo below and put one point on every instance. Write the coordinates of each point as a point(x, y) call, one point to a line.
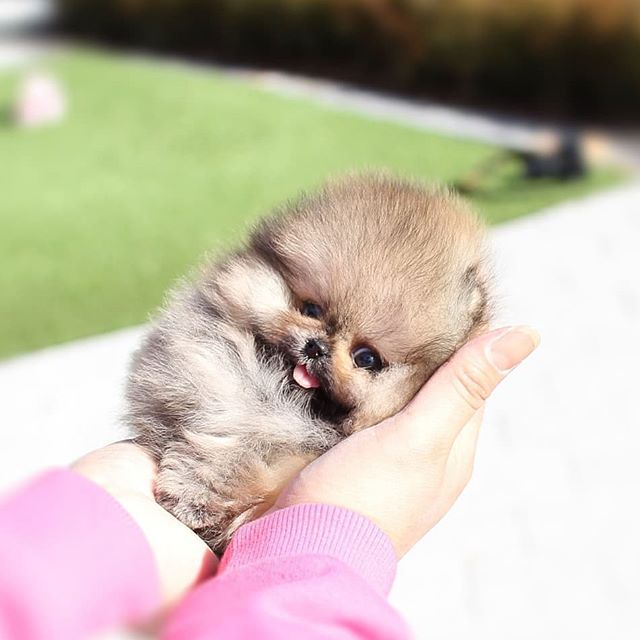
point(391, 265)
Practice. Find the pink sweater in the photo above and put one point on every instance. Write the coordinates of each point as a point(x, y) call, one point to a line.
point(72, 563)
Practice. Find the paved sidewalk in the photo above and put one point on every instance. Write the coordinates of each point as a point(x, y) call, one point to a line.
point(19, 15)
point(452, 121)
point(18, 19)
point(544, 543)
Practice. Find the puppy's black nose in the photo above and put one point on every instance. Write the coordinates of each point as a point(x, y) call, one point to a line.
point(315, 349)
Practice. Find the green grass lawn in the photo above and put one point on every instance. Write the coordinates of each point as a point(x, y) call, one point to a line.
point(157, 164)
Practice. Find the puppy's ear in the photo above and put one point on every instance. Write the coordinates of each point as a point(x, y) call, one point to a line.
point(253, 291)
point(475, 298)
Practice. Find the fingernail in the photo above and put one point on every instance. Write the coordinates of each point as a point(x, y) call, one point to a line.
point(512, 347)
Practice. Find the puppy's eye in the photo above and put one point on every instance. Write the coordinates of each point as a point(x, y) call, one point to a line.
point(366, 358)
point(311, 309)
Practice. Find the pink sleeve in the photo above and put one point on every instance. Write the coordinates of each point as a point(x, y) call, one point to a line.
point(72, 562)
point(311, 571)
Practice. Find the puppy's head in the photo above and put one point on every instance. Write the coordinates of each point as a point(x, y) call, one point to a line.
point(366, 288)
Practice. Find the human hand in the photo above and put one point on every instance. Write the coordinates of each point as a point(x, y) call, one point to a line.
point(405, 473)
point(128, 473)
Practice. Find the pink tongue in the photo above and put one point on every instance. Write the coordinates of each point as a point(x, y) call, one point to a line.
point(305, 379)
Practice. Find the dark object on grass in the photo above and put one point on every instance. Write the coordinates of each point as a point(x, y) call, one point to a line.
point(564, 161)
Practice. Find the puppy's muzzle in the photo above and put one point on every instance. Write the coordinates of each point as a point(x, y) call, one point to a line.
point(316, 348)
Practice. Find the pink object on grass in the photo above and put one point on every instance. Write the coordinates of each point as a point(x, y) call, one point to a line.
point(41, 100)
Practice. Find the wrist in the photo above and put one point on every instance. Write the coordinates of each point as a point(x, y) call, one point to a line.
point(317, 529)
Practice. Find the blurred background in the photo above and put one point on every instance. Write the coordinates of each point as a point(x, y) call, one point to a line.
point(138, 135)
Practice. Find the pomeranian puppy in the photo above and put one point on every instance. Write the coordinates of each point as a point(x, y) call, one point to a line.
point(335, 313)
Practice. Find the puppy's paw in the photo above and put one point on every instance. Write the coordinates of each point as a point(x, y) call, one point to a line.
point(189, 509)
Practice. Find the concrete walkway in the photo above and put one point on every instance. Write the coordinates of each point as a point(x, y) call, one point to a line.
point(422, 114)
point(20, 15)
point(18, 19)
point(544, 543)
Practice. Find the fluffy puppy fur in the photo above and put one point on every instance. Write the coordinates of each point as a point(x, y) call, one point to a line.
point(334, 314)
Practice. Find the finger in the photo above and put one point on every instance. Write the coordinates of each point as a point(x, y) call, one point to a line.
point(460, 387)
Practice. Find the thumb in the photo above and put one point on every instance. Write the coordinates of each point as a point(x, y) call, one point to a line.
point(460, 387)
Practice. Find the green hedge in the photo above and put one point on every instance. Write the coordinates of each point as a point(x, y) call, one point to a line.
point(566, 57)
